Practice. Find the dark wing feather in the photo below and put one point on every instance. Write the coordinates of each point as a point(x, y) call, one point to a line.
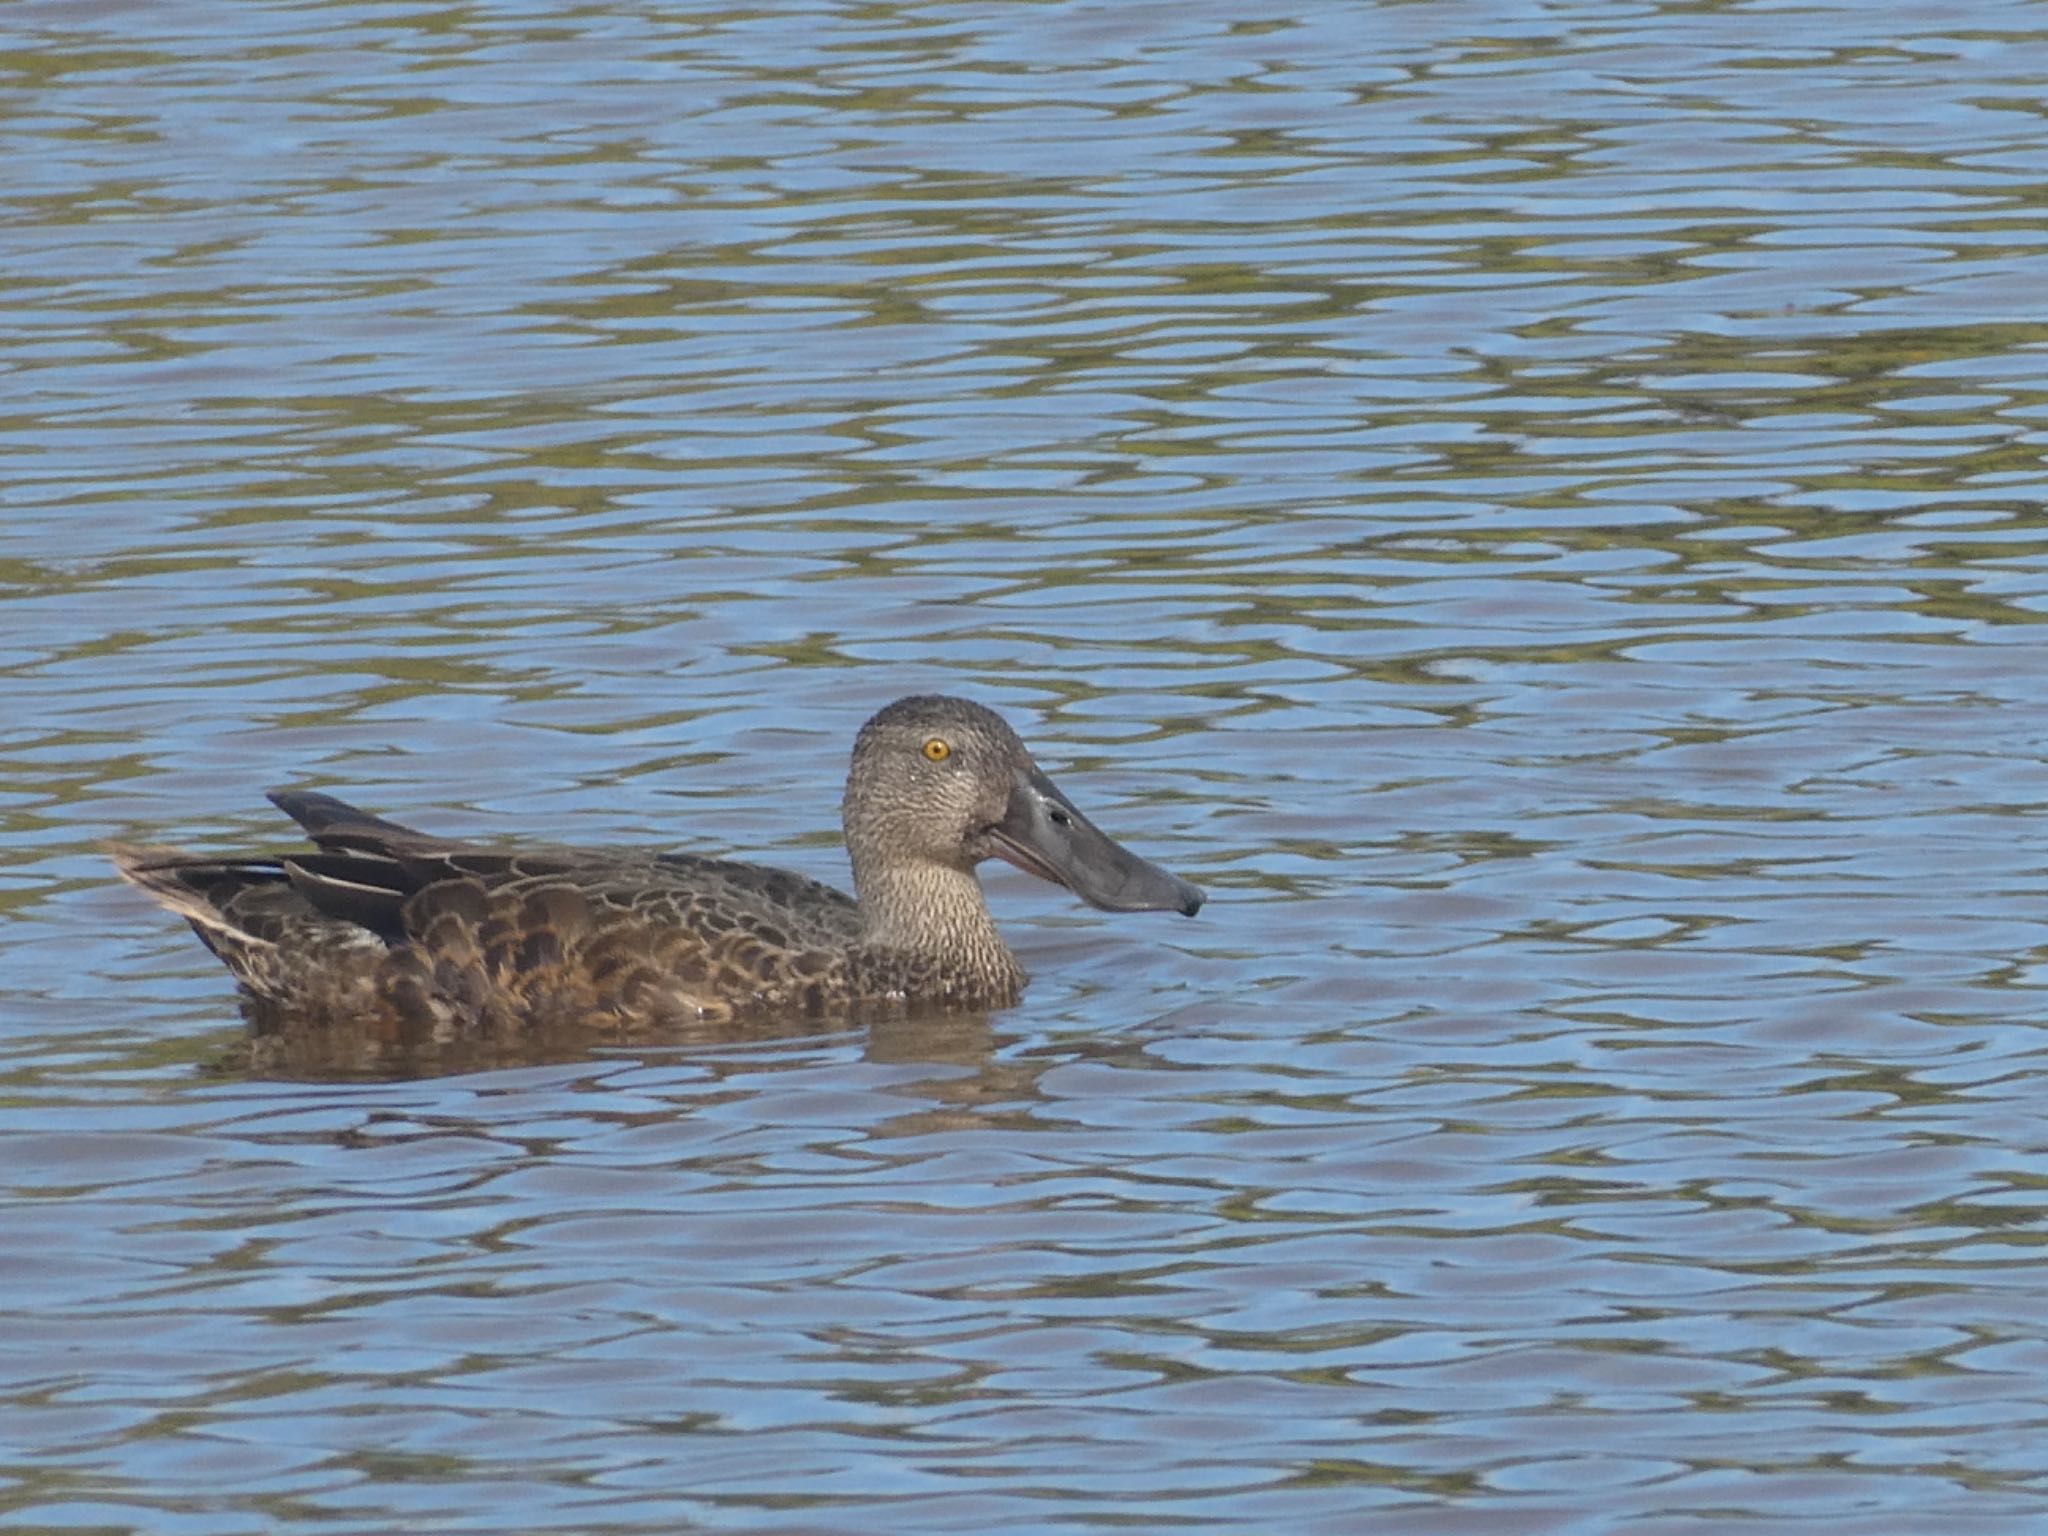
point(366, 889)
point(336, 824)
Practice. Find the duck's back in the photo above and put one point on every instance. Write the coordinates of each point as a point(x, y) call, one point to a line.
point(384, 925)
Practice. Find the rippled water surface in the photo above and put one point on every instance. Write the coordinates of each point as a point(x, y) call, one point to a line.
point(1537, 506)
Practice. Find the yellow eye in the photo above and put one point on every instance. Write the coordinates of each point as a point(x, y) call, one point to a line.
point(938, 749)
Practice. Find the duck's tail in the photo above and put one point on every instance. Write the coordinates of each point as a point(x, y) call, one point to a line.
point(248, 912)
point(203, 891)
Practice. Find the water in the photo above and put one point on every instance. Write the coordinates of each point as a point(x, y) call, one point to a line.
point(1537, 508)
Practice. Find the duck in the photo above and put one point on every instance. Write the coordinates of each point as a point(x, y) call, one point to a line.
point(382, 928)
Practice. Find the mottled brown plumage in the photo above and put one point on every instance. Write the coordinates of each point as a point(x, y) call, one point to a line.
point(385, 928)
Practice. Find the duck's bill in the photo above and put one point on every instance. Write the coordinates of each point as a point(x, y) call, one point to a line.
point(1043, 834)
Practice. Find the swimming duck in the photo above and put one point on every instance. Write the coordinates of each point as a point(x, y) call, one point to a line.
point(385, 927)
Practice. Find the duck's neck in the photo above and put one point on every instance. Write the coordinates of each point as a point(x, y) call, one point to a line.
point(933, 910)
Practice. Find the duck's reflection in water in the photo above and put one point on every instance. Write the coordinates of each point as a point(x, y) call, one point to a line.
point(383, 1051)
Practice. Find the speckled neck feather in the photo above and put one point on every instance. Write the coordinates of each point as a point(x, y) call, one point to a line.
point(930, 910)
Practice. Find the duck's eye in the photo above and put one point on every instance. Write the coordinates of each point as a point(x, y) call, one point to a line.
point(938, 749)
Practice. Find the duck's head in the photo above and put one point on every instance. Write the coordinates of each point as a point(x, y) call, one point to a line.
point(942, 781)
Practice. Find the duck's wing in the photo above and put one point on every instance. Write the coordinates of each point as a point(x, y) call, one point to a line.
point(368, 868)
